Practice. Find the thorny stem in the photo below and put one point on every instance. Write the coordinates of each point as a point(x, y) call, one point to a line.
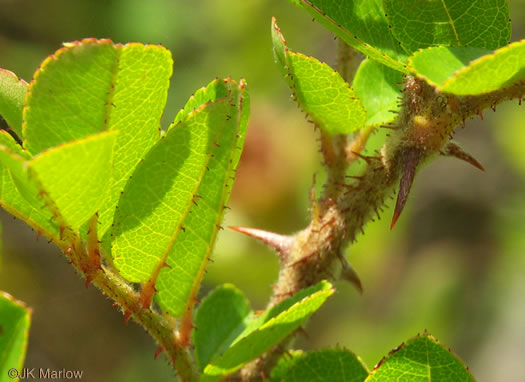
point(162, 328)
point(333, 147)
point(422, 131)
point(358, 144)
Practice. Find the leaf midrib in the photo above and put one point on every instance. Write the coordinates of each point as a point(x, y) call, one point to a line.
point(198, 183)
point(451, 22)
point(365, 46)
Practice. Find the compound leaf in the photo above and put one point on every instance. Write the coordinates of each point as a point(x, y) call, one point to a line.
point(320, 91)
point(362, 25)
point(12, 95)
point(421, 359)
point(76, 176)
point(470, 71)
point(328, 365)
point(269, 330)
point(377, 87)
point(92, 86)
point(476, 23)
point(219, 320)
point(173, 217)
point(15, 319)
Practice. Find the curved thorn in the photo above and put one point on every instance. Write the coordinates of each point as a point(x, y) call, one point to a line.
point(282, 244)
point(408, 171)
point(454, 150)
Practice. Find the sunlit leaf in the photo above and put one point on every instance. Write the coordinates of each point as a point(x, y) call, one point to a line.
point(214, 90)
point(76, 176)
point(173, 217)
point(362, 25)
point(320, 91)
point(32, 210)
point(12, 96)
point(377, 86)
point(474, 23)
point(275, 325)
point(328, 365)
point(219, 320)
point(421, 359)
point(470, 71)
point(15, 319)
point(92, 86)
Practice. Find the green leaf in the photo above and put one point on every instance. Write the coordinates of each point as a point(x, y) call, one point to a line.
point(174, 216)
point(421, 359)
point(470, 71)
point(11, 199)
point(286, 362)
point(204, 213)
point(1, 245)
point(15, 319)
point(450, 61)
point(283, 306)
point(12, 95)
point(10, 144)
point(140, 94)
point(329, 365)
point(219, 320)
point(380, 99)
point(76, 176)
point(70, 95)
point(214, 90)
point(362, 25)
point(92, 86)
point(14, 159)
point(320, 91)
point(273, 327)
point(475, 23)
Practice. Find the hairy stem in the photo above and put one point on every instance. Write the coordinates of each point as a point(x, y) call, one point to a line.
point(161, 327)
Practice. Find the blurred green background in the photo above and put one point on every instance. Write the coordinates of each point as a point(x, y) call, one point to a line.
point(454, 265)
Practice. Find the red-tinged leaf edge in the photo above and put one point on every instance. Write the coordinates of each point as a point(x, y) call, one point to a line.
point(15, 124)
point(53, 57)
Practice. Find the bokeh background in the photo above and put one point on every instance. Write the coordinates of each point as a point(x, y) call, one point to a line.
point(454, 265)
